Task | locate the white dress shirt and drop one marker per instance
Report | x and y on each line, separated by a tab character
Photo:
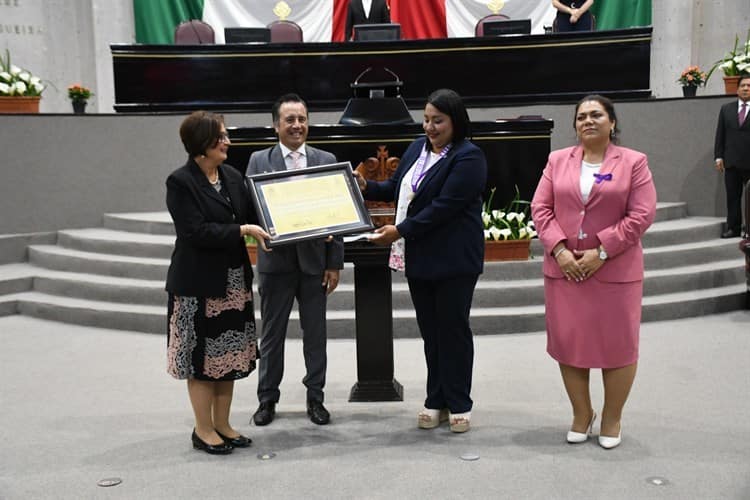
367	4
288	159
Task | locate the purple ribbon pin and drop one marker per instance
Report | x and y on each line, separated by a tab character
602	177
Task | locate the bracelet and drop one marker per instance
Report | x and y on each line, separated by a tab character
559	252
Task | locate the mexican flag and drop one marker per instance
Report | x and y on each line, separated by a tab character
622	14
324	20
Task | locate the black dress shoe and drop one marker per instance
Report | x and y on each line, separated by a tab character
731	233
238	442
214	449
317	412
265	413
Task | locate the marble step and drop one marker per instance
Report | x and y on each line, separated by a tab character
484	320
489	293
146	267
118	242
161	222
114	277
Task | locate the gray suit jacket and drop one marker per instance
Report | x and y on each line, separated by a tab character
308	257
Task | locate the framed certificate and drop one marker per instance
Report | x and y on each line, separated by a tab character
309	203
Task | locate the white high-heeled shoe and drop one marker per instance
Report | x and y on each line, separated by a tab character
608	442
574	437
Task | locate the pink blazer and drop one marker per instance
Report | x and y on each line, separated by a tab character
616	215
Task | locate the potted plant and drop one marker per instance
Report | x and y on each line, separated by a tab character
690	79
252	249
20	91
79	96
734	64
507	232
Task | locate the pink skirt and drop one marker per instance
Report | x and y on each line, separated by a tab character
593	324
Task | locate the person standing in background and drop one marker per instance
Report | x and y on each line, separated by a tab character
366	12
573	15
732	153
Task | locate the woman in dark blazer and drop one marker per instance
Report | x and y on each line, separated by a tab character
211	326
438	239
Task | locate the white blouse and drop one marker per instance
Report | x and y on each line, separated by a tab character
587	178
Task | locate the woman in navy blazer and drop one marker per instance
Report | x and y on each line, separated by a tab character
211	338
438	240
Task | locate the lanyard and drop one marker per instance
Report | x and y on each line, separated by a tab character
419	168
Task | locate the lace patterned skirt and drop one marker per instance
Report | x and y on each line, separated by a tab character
213	338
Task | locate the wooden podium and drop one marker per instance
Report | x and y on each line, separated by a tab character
373	307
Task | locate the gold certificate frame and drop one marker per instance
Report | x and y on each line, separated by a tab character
309	203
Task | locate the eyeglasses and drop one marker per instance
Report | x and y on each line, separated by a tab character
223	138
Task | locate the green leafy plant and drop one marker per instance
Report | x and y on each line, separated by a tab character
737	61
16	81
510	223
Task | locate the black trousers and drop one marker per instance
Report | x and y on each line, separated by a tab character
442	308
734	181
585	23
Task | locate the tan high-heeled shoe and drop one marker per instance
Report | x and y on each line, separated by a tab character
429	418
460	422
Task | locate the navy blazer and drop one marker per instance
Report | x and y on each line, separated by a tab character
208	230
732	141
443	230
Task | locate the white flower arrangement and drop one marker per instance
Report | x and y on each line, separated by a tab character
737	61
15	81
510	223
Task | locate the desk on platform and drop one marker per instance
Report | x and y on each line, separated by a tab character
485	71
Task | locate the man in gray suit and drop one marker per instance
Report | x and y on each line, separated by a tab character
307	271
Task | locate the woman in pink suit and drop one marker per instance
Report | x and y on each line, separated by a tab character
591	207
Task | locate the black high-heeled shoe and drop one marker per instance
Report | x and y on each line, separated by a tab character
237	442
214	449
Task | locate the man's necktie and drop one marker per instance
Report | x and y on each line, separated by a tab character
743	113
295	156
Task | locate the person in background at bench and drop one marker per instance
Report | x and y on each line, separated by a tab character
591	207
573	15
366	12
732	153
